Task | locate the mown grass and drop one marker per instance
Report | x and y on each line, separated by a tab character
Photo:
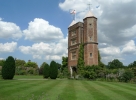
39	89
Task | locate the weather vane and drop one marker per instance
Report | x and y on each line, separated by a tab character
89	5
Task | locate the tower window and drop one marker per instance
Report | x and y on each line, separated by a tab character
73	33
73	42
90	38
73	55
91	54
90	24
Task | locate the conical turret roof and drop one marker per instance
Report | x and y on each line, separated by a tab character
89	14
72	23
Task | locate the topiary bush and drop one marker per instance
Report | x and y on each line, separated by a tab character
46	71
8	69
53	70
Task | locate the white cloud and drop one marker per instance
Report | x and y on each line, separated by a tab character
9	30
53	57
129	48
36	56
111	50
126	1
48	51
8	47
40	30
107	59
81	7
129	32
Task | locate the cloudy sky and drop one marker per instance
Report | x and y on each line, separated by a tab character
36	30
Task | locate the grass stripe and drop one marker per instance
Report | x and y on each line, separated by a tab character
94	91
122	91
41	89
131	91
5	84
82	93
56	92
9	90
126	85
18	88
27	90
107	92
69	91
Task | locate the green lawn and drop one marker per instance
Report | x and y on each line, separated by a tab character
38	89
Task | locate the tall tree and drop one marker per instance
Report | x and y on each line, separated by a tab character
80	62
46	70
31	64
2	62
8	70
53	70
132	64
64	63
115	64
19	63
41	68
101	64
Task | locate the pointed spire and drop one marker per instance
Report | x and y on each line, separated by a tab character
73	22
89	14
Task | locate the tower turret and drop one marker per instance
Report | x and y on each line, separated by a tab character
90	39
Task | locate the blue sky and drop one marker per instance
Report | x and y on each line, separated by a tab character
37	30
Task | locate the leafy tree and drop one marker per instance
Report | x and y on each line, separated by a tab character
58	65
132	64
19	63
134	70
80	62
64	63
126	76
2	62
115	64
41	68
99	57
46	71
8	70
89	72
53	70
31	64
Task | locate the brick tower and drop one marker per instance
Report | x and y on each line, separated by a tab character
83	32
90	39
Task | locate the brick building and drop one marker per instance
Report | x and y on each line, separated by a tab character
83	32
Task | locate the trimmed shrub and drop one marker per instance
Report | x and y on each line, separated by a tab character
53	70
46	71
8	70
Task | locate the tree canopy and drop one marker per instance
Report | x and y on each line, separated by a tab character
53	70
31	64
46	70
132	64
2	62
115	64
64	63
8	70
19	62
41	68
